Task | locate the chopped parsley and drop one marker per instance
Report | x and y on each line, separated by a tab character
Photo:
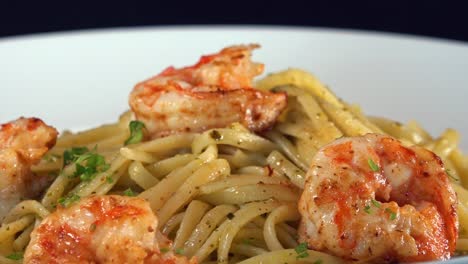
318	261
71	155
164	250
449	173
372	165
301	250
109	179
392	214
367	209
136	132
66	201
179	251
129	192
15	256
87	163
375	203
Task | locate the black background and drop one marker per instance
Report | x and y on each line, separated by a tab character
442	19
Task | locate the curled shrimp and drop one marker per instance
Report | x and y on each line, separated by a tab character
23	142
213	93
371	198
101	229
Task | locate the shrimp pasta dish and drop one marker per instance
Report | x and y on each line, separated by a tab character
209	165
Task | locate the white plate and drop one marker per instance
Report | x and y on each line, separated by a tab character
82	79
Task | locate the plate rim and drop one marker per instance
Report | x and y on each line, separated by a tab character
239	28
233	27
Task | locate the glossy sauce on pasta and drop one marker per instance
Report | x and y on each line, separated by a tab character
225	194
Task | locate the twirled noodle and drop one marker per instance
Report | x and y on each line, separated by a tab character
26	208
194	213
23	239
252	192
9	230
172	223
207	224
137	155
254	170
281	164
226	194
160	193
281	214
164	167
226	232
288	149
231	137
141	176
190	188
247	250
290	256
239	180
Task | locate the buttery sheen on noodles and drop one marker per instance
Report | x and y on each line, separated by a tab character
209	166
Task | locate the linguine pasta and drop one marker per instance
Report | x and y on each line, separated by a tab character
225	195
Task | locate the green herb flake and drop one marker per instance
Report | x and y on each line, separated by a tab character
87	163
66	201
92	227
109	179
71	155
129	192
449	173
15	256
104	167
179	251
392	214
301	250
367	209
318	261
95	160
375	203
373	166
85	173
136	132
164	250
214	134
83	157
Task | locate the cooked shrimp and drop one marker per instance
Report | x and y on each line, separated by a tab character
371	198
22	143
101	229
215	92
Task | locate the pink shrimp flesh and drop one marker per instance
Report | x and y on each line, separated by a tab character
213	93
23	142
371	198
101	229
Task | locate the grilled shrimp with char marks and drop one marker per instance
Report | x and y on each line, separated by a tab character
371	198
23	142
101	229
213	93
